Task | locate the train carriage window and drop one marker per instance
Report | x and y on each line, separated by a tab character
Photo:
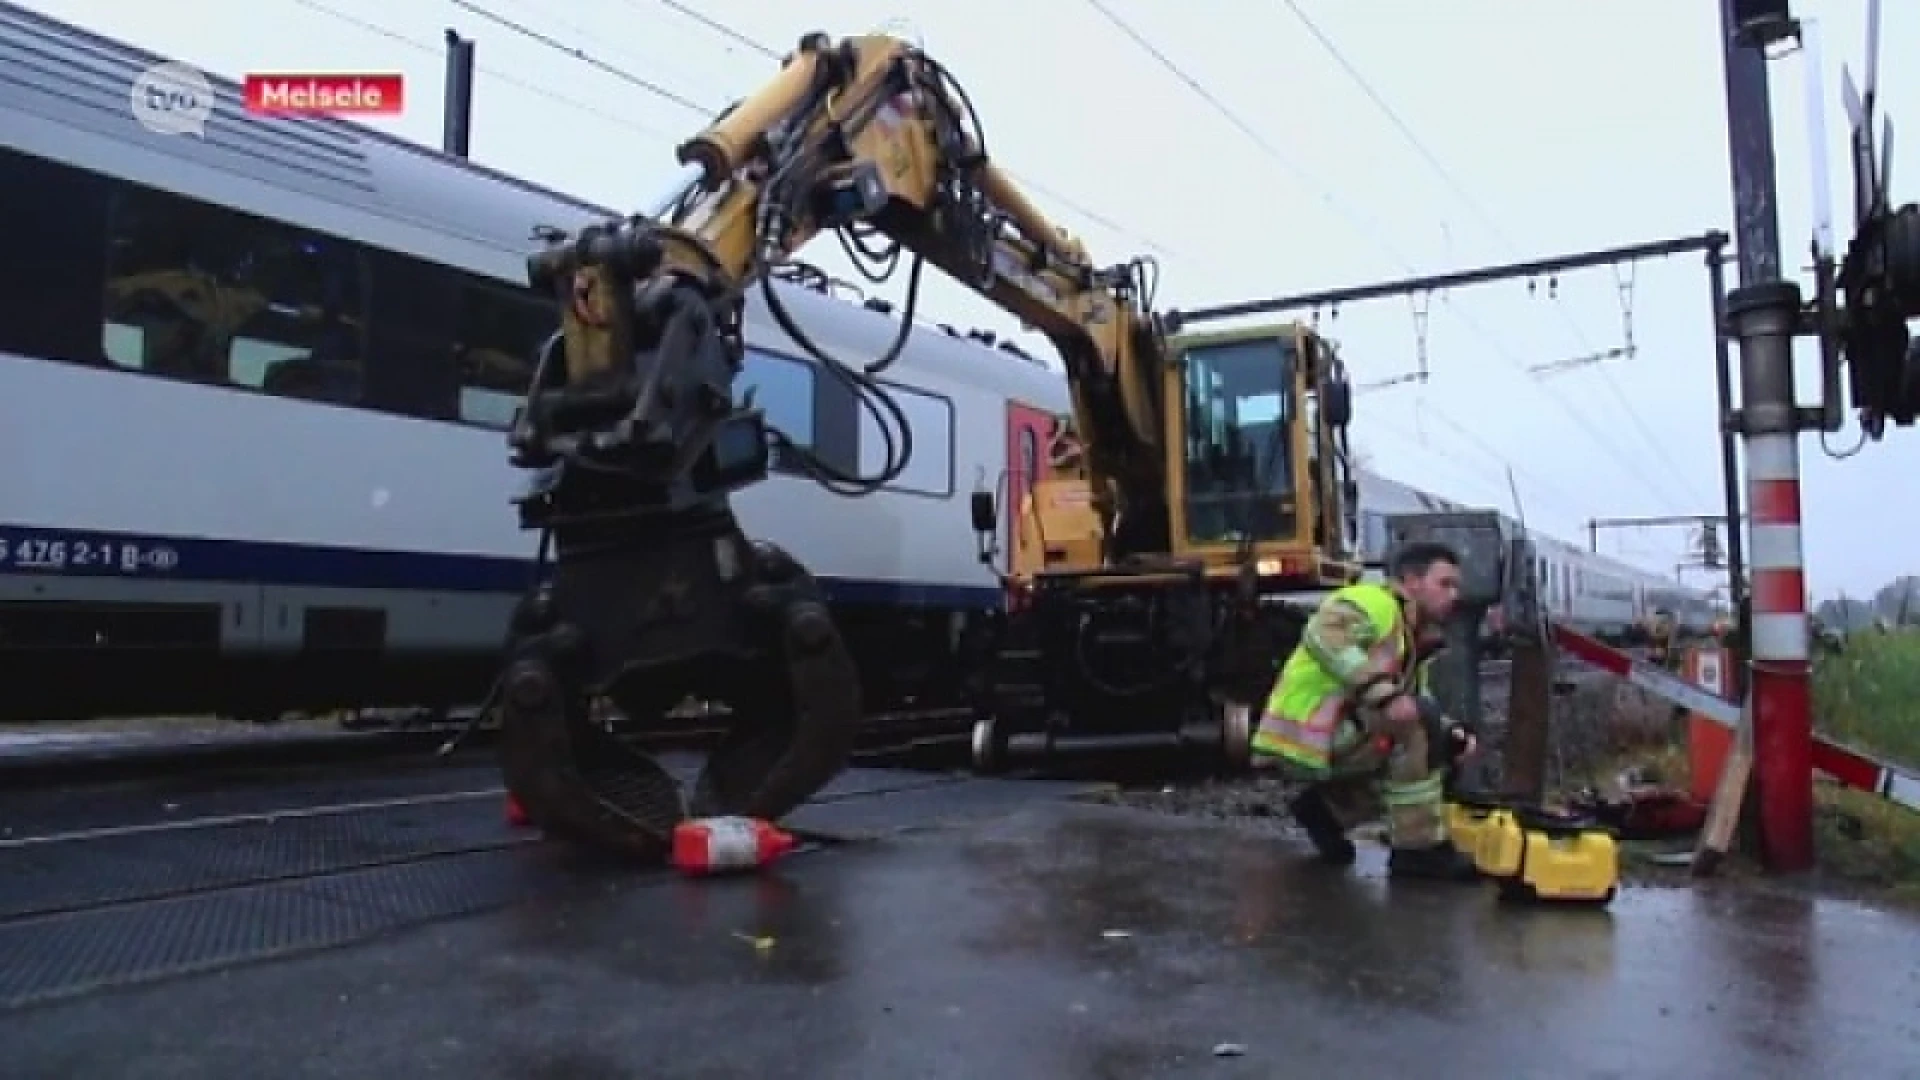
205	294
496	341
415	305
782	390
929	469
54	217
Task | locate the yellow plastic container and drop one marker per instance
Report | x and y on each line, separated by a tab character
1499	846
1562	858
1467	818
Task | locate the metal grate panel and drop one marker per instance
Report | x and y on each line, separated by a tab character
58	957
44	811
71	875
64	955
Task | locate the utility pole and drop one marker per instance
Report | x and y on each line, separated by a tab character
1756	196
1763	314
457	131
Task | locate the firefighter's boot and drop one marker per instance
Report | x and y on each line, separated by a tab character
1417	824
1441	862
1311	811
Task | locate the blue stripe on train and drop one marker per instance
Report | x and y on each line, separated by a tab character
75	553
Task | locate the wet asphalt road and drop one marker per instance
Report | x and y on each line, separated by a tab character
984	952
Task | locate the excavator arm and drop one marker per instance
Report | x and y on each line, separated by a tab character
857	136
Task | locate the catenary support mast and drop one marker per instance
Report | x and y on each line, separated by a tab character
1763	315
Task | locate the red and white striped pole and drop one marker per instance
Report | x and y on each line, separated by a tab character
1764	318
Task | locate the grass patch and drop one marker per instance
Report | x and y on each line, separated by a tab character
1865	840
1868	695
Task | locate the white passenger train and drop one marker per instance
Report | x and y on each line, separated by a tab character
258	383
257	388
1606	597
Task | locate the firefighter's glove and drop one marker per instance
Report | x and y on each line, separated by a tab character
1447	741
1461	743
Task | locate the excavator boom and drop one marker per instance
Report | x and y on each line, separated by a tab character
871	135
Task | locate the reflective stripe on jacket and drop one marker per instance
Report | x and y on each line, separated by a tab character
1356	644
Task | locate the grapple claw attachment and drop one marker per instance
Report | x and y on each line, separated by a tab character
744	626
769	764
575	779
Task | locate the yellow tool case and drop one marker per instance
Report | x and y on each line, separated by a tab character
1539	854
1467	817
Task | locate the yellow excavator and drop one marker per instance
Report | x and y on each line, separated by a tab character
1206	476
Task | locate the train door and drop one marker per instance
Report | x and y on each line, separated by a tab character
1027	431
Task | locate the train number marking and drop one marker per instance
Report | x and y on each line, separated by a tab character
58	554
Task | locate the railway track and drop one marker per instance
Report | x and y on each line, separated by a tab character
57	757
64	859
123	884
66	757
147	861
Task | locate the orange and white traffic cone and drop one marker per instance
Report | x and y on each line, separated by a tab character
726	844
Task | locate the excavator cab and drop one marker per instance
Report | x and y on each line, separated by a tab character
1257	464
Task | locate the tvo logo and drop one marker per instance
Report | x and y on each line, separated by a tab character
172	99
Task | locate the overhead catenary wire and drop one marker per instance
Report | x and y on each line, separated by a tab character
1447	177
1466	467
1323	192
1253	135
719	27
433	49
739	37
623	49
584	57
1366	227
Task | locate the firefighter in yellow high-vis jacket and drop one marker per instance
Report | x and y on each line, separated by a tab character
1348	714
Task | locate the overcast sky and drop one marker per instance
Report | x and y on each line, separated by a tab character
1557	126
